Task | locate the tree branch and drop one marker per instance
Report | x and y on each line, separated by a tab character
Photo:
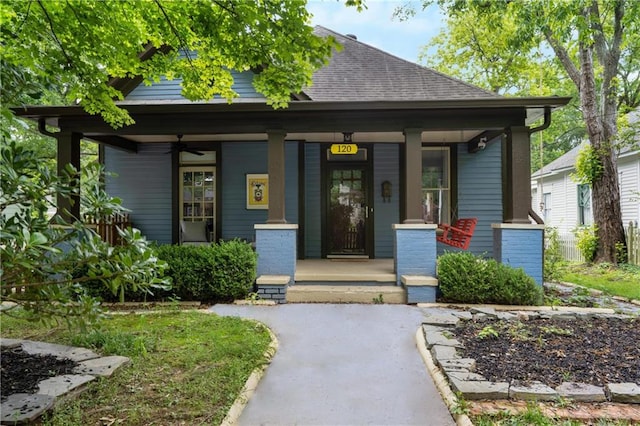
183	44
563	57
53	32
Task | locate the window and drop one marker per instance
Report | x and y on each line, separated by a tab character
198	190
546	207
584	205
436	191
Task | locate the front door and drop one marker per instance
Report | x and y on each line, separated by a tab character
348	211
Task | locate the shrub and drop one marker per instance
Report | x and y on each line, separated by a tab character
219	272
208	273
467	278
552	256
235	270
587	241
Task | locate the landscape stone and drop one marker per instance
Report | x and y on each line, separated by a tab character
59	385
428	328
464	365
490	312
558	315
23	408
464	315
441	352
481	390
581	392
532	391
59	351
10	343
440	338
104	366
623	392
471	377
506	316
441	319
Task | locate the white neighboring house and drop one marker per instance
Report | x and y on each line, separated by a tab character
564	204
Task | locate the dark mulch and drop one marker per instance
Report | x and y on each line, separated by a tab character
21	371
595	351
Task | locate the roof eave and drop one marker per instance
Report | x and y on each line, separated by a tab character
163	107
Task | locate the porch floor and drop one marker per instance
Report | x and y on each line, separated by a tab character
371	270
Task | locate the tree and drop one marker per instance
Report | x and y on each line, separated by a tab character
54	52
79	45
594	42
471	49
41	261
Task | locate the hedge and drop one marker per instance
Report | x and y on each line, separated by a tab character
466	278
210	273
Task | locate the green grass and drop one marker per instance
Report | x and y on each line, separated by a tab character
533	416
186	367
621	281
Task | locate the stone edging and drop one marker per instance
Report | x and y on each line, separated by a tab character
461	375
252	383
25	408
440	380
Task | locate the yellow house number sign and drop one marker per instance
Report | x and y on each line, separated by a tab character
344	148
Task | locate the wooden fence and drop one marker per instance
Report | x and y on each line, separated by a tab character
570	252
107	228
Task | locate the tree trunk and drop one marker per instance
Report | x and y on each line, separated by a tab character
601	129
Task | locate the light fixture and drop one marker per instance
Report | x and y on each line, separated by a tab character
347	137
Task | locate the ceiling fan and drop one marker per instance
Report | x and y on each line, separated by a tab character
179	146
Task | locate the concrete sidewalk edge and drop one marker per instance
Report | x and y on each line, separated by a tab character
251	384
440	381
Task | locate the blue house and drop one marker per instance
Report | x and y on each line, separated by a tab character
363	165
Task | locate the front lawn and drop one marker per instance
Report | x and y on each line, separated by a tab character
186	367
621	281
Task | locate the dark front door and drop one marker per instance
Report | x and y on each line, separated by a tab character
348	215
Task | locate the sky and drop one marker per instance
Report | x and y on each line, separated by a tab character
376	26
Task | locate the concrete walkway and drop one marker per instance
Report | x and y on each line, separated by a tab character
342	365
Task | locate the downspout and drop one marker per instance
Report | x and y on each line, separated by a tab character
543	126
42	128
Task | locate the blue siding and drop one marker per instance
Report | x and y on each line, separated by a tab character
480	193
238	159
143	182
385	167
172	89
312	220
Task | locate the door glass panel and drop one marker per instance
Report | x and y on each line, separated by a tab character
347	213
198	195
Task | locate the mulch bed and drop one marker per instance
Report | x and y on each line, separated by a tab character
21	372
596	351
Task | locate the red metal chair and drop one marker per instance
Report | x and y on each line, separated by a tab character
459	235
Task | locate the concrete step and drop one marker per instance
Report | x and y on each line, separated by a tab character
346	293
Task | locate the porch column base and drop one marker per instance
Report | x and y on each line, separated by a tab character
273	287
276	249
414	251
520	246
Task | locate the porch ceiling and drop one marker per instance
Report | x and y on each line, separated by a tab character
452	136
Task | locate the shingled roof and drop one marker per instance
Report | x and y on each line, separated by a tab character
360	72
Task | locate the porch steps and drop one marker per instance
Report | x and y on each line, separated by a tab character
341	292
344	282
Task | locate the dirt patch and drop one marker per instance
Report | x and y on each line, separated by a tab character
596	351
21	372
